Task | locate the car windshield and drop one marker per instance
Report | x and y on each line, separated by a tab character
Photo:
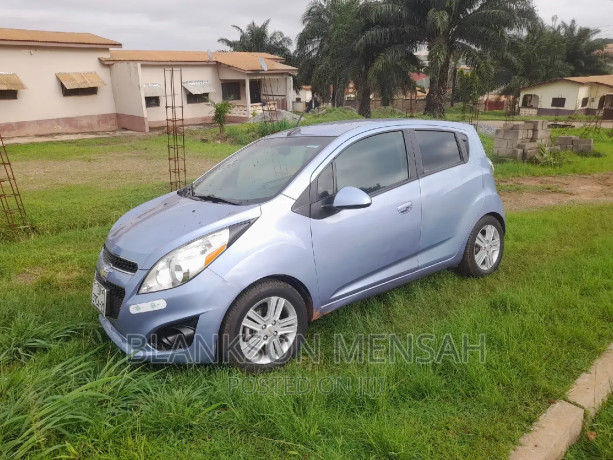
258	172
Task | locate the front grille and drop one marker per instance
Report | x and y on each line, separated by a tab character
117	262
115	299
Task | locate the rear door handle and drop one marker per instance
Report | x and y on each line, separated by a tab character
405	207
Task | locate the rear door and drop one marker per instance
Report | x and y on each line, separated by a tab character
356	249
451	188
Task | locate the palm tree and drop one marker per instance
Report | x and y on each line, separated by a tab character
448	28
325	47
332	54
582	49
533	57
257	38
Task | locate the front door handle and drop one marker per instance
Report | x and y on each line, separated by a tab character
405	207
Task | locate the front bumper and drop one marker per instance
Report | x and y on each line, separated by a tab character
206	297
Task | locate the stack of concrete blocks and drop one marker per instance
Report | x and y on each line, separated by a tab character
521	141
575	144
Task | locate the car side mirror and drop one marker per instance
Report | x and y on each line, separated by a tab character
351	198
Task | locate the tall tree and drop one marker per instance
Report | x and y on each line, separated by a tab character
546	52
257	38
325	47
467	28
332	54
532	57
582	50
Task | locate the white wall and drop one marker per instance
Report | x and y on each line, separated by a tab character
127	88
596	92
43	99
548	91
155	74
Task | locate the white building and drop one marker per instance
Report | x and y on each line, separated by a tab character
565	96
140	93
53	82
56	82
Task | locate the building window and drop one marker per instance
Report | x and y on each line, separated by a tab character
231	91
584	101
197	98
79	91
79	83
8	94
152	101
558	102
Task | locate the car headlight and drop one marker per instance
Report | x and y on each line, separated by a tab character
182	264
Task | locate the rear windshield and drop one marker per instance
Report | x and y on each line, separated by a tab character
260	171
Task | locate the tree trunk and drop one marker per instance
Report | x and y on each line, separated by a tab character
334	91
437	96
364	101
454	82
339	97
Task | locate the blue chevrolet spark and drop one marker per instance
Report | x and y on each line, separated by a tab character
293	226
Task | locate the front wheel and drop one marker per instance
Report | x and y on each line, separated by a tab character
264	327
484	248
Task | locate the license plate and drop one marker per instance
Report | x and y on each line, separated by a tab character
99	296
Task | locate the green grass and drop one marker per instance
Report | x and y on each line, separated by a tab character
545	316
602	445
572	163
66	391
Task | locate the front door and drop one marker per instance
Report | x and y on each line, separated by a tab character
255	89
358	249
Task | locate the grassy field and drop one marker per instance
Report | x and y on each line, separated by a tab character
65	391
597	439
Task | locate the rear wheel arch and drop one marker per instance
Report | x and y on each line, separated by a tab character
500	219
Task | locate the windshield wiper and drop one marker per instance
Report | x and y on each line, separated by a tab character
213	199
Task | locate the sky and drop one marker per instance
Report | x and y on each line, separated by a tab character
197	24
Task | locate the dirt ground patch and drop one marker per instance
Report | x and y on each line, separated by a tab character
538	192
106	171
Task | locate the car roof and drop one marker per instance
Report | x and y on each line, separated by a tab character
338	128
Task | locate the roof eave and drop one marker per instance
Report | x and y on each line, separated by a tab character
145	62
59	44
548	82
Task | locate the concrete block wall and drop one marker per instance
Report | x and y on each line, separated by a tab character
575	144
521	141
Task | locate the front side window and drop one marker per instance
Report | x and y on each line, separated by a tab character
439	150
260	171
373	163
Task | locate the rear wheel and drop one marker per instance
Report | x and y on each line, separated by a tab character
264	327
484	248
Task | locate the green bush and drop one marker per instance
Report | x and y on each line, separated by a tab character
264	129
222	110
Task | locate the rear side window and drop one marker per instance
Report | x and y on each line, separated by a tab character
373	163
439	150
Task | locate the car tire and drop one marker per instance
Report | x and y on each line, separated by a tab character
484	248
264	327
